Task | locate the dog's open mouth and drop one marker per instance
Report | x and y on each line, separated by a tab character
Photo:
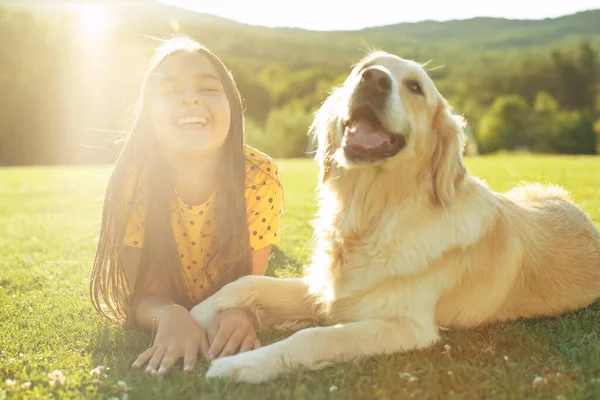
366	140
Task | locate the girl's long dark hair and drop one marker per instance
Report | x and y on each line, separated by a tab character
140	174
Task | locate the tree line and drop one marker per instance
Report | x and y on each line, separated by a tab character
66	96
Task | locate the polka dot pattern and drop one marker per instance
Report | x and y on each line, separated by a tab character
193	225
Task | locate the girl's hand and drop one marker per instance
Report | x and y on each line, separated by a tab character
178	336
231	332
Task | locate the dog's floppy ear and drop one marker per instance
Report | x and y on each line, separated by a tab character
324	129
448	167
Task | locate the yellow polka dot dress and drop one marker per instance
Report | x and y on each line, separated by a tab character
194	226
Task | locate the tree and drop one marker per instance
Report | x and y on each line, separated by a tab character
576	77
504	125
285	133
256	97
545	130
576	130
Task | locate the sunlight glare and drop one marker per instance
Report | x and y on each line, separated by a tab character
93	19
175	26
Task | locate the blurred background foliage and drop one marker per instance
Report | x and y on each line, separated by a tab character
70	76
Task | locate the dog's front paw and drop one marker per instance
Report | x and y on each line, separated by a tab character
251	367
204	313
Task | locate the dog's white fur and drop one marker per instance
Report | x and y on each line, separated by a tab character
410	243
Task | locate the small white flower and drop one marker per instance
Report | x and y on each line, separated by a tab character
447	349
10	383
538	381
409	377
97	371
333	388
56	376
121	387
26	385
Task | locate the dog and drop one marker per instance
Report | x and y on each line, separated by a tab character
406	241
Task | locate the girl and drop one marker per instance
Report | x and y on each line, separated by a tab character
188	208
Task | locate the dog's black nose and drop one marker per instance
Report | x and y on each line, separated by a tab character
376	79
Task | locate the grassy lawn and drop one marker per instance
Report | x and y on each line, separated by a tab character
49	222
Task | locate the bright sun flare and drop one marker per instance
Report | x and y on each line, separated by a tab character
93	19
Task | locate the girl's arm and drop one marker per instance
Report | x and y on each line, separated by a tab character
178	335
156	299
260	259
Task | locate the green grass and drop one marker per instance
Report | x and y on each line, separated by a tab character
49	222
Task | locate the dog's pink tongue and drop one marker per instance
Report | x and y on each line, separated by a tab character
364	135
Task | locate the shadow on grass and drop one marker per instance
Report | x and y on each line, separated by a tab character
117	348
567	344
474	367
564	351
573	342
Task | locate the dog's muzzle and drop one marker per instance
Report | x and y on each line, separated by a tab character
365	137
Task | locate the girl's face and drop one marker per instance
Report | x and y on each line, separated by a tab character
189	109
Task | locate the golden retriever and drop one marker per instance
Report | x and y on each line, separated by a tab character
406	240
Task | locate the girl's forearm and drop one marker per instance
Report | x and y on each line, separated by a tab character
152	307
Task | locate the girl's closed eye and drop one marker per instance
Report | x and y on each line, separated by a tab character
209	85
168	89
208	88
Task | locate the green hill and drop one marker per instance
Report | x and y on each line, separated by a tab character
283	73
422	40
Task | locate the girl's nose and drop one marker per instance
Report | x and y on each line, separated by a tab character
190	96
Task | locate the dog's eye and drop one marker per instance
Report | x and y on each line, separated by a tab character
414	87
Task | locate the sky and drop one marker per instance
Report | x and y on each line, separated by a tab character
339	15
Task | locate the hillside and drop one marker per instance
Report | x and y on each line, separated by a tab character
298	48
283	74
446	42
